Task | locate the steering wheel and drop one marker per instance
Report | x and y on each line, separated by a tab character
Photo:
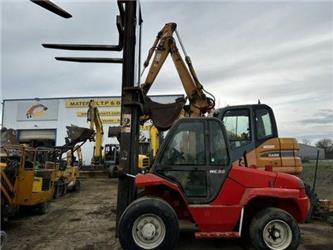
176	155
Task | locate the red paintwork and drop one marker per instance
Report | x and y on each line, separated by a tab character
281	193
252	178
168	191
215	218
242	186
146	180
287	181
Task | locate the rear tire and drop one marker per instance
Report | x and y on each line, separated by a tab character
274	228
148	223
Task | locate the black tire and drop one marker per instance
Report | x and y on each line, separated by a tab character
64	190
77	186
277	218
160	210
43	208
113	172
58	190
314	210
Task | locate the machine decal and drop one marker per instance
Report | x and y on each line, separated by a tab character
36	110
217	171
126	123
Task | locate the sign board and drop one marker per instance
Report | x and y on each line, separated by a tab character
83	103
101	113
45	110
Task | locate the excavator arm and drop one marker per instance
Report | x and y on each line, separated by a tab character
95	121
165	44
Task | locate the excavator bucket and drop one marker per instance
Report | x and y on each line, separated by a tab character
163	115
78	134
115	131
8	136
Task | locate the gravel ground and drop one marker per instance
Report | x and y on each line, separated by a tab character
86	220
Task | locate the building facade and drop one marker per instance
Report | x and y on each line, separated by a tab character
43	121
308	152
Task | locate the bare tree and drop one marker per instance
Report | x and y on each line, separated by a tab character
306	141
326	144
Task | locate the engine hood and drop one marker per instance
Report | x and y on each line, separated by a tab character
288	181
255	178
252	178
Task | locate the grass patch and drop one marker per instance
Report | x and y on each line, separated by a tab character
324	185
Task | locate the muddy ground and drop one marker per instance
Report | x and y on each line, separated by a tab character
86	220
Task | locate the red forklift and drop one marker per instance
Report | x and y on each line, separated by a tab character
193	181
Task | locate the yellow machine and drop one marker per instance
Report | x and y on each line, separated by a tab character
163	115
164	44
154	140
27	178
68	164
95	121
67	173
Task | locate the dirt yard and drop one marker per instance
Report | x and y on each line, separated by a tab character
86	220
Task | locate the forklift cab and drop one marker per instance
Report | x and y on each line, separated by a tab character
195	156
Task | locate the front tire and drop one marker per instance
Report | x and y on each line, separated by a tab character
77	186
43	208
58	190
273	228
148	223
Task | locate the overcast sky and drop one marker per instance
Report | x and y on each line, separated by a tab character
279	52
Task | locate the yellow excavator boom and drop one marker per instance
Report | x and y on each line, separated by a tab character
164	45
95	121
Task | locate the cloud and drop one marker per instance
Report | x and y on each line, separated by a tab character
278	52
323	116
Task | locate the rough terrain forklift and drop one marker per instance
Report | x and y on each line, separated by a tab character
193	180
251	129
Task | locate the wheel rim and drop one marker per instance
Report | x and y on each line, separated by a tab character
277	235
148	231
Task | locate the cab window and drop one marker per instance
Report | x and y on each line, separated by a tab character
263	124
218	147
187	146
237	124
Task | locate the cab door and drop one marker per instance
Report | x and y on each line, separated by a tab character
193	156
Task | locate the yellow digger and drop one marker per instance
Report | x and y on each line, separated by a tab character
67	174
27	178
68	166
